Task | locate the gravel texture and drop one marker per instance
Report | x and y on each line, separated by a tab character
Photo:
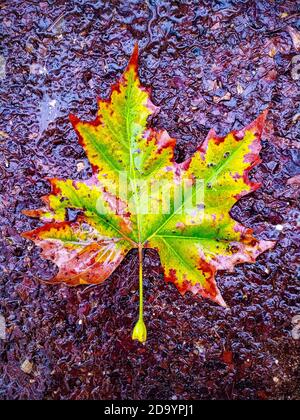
210	64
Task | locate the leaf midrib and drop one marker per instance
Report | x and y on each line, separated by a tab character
195	238
132	166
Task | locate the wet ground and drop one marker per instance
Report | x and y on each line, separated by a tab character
210	64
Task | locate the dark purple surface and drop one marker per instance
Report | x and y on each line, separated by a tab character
192	54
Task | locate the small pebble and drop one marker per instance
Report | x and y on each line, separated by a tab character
52	103
80	166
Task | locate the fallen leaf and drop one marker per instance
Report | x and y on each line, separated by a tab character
3	134
295	35
239	88
296	118
225	97
272	51
26	366
125	205
295	180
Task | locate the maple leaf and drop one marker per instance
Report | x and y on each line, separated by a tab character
139	197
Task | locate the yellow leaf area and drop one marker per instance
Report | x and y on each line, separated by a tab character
121	206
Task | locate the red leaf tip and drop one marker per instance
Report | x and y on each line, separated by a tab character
73	119
258	124
133	62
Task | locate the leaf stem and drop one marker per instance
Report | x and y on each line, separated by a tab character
140	331
141	308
